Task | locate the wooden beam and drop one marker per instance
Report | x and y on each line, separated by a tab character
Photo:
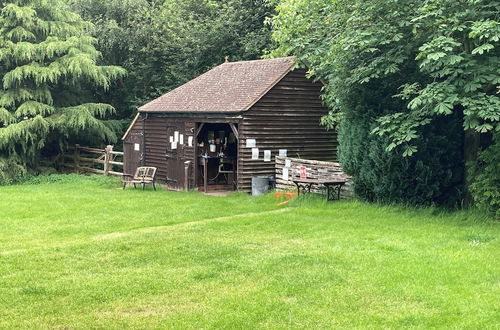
199	130
131	125
235	131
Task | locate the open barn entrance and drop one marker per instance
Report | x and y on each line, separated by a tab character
217	156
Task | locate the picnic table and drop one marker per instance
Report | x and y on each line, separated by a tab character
333	186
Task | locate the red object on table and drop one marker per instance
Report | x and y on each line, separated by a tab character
303	173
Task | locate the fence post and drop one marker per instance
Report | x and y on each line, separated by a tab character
77	158
107	159
186	175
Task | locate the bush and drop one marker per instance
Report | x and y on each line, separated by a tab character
485	178
433	175
12	170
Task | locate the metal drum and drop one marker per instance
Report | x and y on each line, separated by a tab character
260	185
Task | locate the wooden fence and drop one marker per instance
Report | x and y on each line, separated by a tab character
93	160
292	166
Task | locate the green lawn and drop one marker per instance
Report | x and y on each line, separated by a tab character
82	254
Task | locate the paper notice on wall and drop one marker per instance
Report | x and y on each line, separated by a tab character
190	141
288	163
282	152
255	153
170	139
137	146
251	143
181	139
285	174
212	148
173	145
303	172
176	136
267	155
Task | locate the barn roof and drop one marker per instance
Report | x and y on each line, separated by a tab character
229	87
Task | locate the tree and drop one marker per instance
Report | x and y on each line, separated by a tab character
416	67
163	44
48	70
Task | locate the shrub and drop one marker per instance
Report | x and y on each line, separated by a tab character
12	170
485	178
433	175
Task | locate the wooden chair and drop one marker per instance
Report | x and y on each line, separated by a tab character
143	175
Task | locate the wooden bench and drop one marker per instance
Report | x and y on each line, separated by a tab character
318	175
143	175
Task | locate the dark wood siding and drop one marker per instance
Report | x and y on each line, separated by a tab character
287	117
156	140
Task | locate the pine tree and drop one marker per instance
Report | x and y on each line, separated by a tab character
49	67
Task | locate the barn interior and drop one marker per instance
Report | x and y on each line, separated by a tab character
217	157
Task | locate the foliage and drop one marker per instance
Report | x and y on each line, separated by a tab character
48	66
163	44
357	49
433	175
486	178
458	53
12	170
409	69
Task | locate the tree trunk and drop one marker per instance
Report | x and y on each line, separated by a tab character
472	143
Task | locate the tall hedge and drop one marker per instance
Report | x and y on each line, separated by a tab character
434	175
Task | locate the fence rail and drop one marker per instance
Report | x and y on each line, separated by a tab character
93	160
287	167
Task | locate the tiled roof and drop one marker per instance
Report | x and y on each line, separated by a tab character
229	87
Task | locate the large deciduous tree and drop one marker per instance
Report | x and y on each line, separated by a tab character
165	43
48	71
400	76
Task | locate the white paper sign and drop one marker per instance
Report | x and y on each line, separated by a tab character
176	136
173	145
137	146
255	153
267	155
190	141
181	139
171	139
251	143
212	148
288	163
282	153
285	174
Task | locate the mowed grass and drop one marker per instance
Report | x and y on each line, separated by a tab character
82	254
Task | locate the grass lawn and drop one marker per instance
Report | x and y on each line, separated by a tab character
81	253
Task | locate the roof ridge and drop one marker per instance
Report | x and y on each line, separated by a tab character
233	86
260	60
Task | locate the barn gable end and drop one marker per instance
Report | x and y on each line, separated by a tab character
286	117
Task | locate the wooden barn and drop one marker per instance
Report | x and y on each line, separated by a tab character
228	125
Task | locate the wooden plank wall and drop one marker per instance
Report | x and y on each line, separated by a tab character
333	169
287	117
156	140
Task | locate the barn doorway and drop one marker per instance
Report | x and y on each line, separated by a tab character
217	157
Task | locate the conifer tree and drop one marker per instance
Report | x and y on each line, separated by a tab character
48	69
